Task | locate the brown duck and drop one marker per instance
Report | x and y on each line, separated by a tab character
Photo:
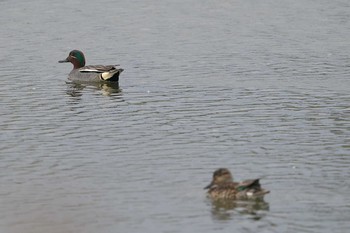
223	187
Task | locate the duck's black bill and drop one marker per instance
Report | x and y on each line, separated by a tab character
62	61
209	186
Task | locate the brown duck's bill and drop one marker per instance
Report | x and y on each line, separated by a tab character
209	186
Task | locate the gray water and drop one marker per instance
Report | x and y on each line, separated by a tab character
259	87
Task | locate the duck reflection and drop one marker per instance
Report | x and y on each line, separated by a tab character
109	88
75	89
226	209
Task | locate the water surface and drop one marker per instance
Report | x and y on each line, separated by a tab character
259	87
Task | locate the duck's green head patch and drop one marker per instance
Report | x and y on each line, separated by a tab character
79	56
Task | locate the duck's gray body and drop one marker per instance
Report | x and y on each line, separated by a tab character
97	73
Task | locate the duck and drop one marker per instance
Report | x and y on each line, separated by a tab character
223	187
91	73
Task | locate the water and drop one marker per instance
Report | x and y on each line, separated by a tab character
259	87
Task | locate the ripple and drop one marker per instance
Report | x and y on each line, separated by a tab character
205	86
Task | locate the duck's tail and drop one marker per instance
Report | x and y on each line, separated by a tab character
261	192
112	75
252	188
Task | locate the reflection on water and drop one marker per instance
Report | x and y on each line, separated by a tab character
75	89
227	209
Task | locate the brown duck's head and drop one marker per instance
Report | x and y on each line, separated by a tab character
76	57
220	176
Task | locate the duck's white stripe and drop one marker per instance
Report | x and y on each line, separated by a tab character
90	70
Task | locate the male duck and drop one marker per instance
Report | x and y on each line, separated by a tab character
97	73
223	187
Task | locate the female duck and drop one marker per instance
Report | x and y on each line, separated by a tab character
223	187
96	73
